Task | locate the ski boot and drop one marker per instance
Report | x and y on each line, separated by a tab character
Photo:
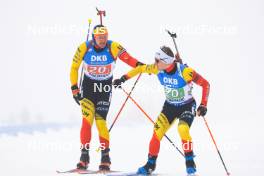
149	167
84	159
190	164
105	160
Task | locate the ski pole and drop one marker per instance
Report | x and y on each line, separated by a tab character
87	38
174	36
123	105
88	33
215	145
128	95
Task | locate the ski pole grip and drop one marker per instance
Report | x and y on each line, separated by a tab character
173	35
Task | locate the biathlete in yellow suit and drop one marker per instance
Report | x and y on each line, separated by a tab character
177	81
99	57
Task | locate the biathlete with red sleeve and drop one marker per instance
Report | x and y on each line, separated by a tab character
99	56
177	80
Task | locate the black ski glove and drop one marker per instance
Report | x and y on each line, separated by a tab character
201	111
178	58
117	82
76	94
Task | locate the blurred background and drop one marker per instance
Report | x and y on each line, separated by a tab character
221	40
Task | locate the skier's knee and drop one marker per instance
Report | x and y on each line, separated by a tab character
184	131
87	110
161	126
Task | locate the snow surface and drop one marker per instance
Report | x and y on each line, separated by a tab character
222	40
42	153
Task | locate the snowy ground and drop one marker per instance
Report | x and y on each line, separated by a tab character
42	153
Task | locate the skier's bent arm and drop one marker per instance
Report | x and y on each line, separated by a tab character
191	75
76	62
139	69
150	69
118	51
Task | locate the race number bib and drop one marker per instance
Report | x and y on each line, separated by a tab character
99	69
174	95
99	72
178	95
